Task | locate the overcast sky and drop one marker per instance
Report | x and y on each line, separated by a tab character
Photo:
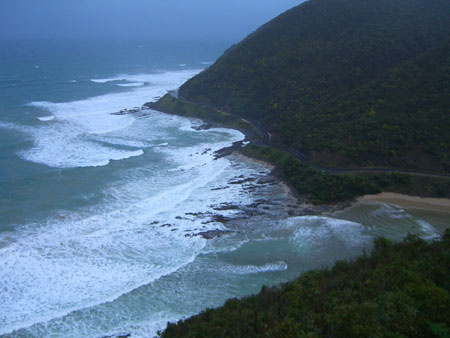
165	19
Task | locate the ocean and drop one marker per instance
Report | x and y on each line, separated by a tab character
115	219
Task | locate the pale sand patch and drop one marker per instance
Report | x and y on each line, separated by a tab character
268	165
406	201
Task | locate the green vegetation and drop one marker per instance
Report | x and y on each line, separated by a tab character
171	105
267	154
401	290
323	187
318	187
351	83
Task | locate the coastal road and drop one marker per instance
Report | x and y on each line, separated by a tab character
265	141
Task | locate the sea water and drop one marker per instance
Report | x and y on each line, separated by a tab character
102	203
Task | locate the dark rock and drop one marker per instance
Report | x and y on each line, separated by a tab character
227	150
245	180
253	205
262	201
196	214
210	234
221	219
220	188
267	180
225	206
204	126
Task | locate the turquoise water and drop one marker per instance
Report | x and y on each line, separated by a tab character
100	212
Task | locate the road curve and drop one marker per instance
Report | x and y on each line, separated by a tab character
265	141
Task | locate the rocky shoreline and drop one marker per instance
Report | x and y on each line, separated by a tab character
273	201
288	202
302	207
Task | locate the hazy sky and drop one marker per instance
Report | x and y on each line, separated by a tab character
165	19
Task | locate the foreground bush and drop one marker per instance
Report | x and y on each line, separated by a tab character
401	290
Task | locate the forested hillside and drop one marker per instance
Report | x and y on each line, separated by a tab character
351	83
402	290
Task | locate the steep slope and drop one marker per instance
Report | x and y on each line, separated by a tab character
349	82
402	290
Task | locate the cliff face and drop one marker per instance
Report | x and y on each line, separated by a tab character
348	82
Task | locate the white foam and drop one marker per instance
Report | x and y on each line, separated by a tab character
384	215
206	62
182	65
81	259
120	139
104	80
56	272
429	232
253	269
67	146
93	256
321	230
391	211
132	84
224	244
153	323
46	118
200	155
173	78
94	259
12	126
73	140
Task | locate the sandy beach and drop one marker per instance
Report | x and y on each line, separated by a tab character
406	201
243	157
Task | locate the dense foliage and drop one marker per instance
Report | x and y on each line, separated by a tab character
323	187
171	105
348	82
317	186
402	290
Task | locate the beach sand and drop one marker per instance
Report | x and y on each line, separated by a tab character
243	157
406	201
441	205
